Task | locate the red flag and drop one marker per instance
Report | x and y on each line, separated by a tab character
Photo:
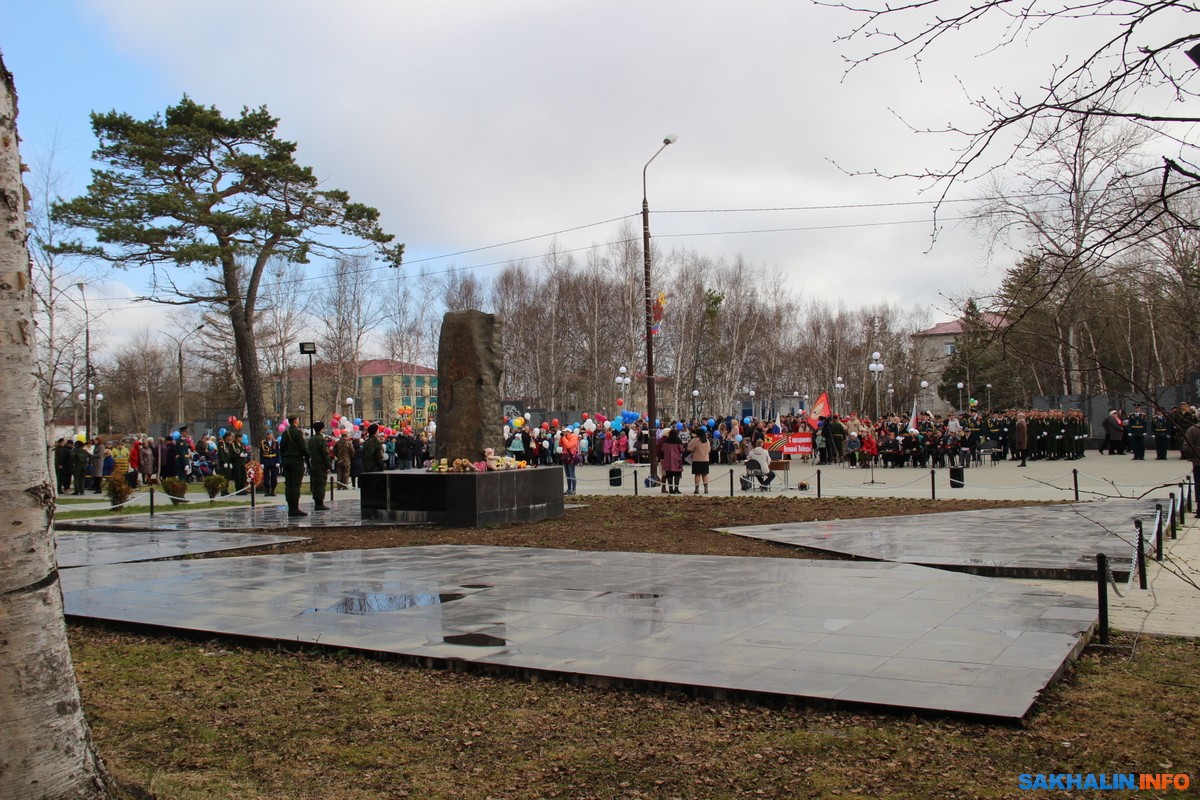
819	409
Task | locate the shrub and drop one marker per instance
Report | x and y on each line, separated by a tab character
118	491
215	485
175	489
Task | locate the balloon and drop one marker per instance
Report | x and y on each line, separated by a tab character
358	420
554	422
545	426
620	402
212	445
282	427
356	427
79	437
600	418
584	416
175	435
745	420
336	417
231	419
678	426
518	422
617	425
220	432
607	424
285	423
712	423
589	426
237	424
738	438
246	439
716	435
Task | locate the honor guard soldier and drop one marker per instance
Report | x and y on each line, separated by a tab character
1137	433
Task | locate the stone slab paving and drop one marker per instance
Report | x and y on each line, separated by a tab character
857	633
264	516
1169	606
1051	541
87	549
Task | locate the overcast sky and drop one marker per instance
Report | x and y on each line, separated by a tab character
475	123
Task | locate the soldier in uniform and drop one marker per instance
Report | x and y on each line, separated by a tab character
1161	428
182	452
319	462
343	456
225	457
293	452
1136	425
269	450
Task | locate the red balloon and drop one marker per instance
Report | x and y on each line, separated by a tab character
336	417
231	419
237	424
620	402
545	426
554	423
584	415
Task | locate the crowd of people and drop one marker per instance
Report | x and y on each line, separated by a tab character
923	440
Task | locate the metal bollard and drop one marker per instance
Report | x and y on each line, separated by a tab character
1173	515
635	489
1075	478
932	485
818	484
251	494
731	483
152	501
1182	506
332	483
1141	555
1102	594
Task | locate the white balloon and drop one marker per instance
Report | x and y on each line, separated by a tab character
607	424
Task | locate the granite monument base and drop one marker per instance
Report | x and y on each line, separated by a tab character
462	499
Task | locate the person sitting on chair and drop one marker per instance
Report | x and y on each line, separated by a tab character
758	463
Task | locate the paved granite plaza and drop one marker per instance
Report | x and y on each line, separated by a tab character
856	633
88	549
1055	541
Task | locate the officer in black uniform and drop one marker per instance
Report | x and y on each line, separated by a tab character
1137	433
1160	426
269	449
293	451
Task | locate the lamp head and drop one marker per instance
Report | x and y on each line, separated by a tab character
670	138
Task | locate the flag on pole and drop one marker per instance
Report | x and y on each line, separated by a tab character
912	420
819	409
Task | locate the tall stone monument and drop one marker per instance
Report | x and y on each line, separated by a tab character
470	365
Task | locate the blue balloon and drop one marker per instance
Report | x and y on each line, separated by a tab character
358	420
712	423
246	439
678	426
738	438
746	420
716	435
616	425
221	432
175	435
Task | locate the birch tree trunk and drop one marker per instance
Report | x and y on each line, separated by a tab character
45	745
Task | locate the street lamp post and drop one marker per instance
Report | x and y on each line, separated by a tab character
891	399
695	396
309	349
960	388
989	390
179	410
669	139
839	386
876	367
795	403
753	406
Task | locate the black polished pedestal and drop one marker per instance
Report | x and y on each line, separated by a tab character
468	499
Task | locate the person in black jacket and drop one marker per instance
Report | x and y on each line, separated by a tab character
293	451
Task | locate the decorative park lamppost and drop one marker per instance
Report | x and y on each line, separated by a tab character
753	405
875	368
839	386
695	396
795	403
960	388
989	390
310	349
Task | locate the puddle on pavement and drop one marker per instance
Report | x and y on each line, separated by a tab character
379	603
477	586
474	640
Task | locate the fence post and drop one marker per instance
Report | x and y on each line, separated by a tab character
1173	521
818	484
1102	594
1075	479
332	485
1182	506
635	491
932	485
152	501
1141	554
731	483
251	494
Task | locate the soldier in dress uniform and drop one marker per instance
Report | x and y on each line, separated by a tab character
268	448
1136	426
1161	428
319	462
